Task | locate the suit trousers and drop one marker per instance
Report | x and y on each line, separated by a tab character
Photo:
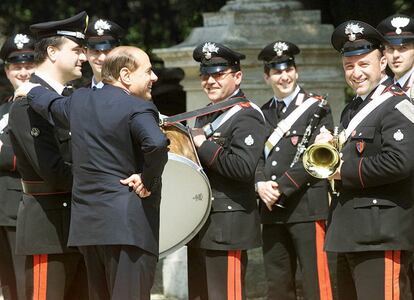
216	274
374	275
56	277
12	266
286	244
119	272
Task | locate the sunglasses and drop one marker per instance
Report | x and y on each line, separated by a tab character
216	76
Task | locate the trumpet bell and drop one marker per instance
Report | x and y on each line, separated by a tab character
321	160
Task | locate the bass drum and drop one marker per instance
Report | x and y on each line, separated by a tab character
186	192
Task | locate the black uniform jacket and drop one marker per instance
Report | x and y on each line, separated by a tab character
229	159
374	210
43	156
306	197
10	184
114	135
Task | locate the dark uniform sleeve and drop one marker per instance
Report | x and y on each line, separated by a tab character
393	162
50	105
238	157
34	138
154	145
7	158
296	177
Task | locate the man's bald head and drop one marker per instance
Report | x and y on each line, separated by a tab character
129	68
121	57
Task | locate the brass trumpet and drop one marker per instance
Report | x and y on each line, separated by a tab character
323	159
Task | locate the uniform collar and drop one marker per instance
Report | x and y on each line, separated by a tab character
402	81
383	79
58	87
287	99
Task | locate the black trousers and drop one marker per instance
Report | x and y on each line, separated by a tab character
12	266
374	275
119	272
56	277
216	274
286	244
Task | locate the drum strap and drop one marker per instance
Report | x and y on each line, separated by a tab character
202	111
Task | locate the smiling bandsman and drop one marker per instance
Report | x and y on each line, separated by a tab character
371	221
102	36
294	232
229	142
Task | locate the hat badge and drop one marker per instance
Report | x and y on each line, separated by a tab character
101	26
352	29
279	47
399	22
20	40
209	48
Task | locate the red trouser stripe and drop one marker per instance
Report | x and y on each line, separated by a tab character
392	274
324	281
39	277
234	288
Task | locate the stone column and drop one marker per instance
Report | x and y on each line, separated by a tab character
247	26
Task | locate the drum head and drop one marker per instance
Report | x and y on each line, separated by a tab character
185	203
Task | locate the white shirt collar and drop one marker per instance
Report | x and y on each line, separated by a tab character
405	77
289	98
95	84
58	87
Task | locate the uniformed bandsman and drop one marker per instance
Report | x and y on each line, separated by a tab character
102	36
54	271
229	143
371	221
398	30
295	231
18	55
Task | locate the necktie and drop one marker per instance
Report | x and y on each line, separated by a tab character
279	108
67	91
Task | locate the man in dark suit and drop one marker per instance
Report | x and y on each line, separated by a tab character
115	135
53	270
398	30
18	55
371	221
229	143
294	230
102	36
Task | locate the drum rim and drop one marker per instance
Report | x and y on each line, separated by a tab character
193	233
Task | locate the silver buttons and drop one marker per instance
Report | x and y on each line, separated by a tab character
229	207
274	163
277	149
273	177
375	201
65	204
308	184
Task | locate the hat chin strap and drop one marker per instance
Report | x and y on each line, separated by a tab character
76	34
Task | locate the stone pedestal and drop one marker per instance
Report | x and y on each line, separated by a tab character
247	26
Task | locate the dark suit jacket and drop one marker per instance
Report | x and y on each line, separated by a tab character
10	184
306	197
374	211
43	155
114	135
229	159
